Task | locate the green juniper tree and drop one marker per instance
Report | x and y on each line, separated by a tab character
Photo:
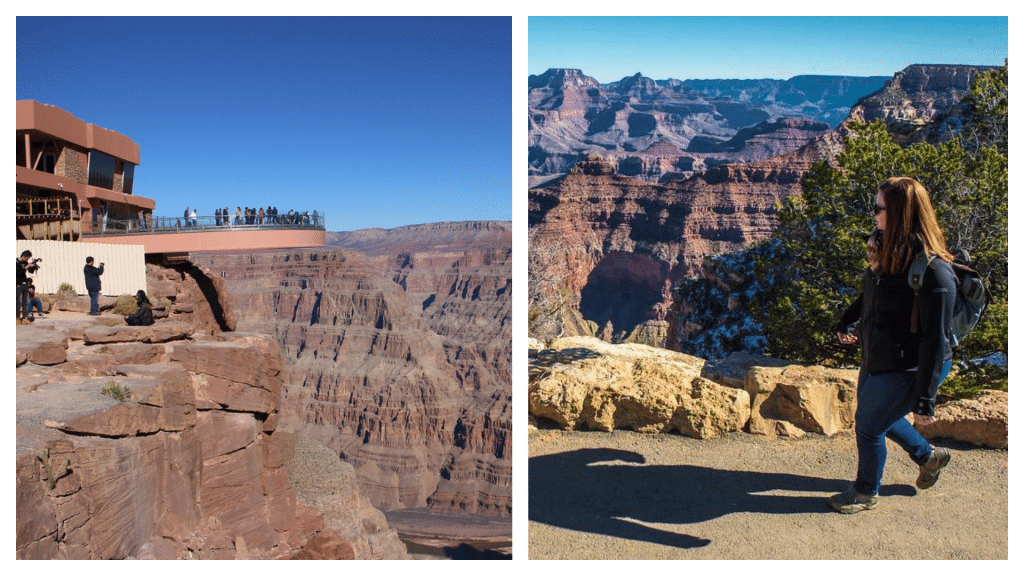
814	271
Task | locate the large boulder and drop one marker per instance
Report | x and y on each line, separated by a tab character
812	398
982	420
588	383
712	409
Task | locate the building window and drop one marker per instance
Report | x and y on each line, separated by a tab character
129	178
48	163
101	170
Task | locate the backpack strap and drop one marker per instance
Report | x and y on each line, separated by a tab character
915	277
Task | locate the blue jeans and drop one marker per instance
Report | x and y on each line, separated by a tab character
94	302
22	301
883	401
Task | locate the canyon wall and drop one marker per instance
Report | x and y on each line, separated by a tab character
398	359
605	249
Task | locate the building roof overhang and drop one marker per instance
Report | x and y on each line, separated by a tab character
54	121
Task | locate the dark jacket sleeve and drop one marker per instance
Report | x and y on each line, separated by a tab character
935	312
851	315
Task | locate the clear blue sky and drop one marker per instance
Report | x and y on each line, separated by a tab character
379	122
611	48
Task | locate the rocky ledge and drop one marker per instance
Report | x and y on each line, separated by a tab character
586	383
161	442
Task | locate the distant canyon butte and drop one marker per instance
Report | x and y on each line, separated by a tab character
398	347
633	183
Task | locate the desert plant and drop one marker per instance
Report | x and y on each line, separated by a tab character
126	304
66	289
116	391
51	477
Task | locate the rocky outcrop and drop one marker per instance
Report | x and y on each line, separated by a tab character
44	347
399	361
915	96
162	450
982	420
590	384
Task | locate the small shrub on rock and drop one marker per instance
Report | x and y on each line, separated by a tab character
116	391
125	305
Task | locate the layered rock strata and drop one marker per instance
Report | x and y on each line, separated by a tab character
398	361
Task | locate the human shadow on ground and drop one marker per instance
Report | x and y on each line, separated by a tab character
598	490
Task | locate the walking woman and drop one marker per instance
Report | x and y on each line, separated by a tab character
905	348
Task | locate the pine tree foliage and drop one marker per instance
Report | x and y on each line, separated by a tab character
988	104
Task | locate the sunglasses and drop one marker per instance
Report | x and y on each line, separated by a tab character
877	209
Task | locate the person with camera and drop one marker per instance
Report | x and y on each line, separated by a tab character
93	285
23	269
904	338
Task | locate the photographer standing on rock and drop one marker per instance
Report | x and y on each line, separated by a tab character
905	347
93	285
23	269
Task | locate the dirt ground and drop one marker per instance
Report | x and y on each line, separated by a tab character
623	495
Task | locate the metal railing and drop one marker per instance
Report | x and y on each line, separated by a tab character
180	224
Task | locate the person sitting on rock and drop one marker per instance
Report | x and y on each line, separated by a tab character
143	315
34	303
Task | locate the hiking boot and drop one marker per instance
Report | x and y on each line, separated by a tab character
852	501
930	470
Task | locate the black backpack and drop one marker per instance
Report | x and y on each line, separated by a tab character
971	296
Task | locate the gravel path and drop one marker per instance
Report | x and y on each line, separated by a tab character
595	495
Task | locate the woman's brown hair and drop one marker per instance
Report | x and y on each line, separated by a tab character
910	225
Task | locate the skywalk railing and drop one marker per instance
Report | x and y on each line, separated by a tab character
181	224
